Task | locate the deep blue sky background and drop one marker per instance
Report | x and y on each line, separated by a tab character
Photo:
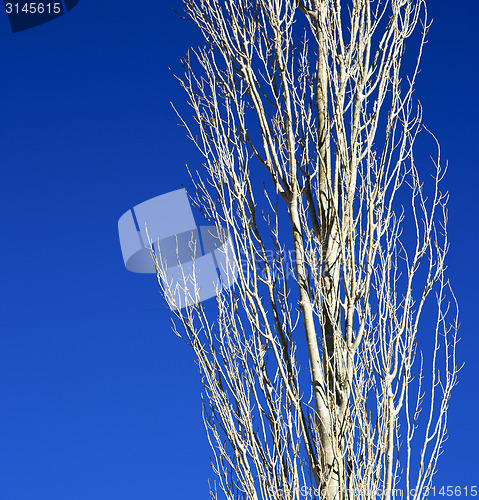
98	399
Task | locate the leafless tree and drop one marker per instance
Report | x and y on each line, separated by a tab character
305	118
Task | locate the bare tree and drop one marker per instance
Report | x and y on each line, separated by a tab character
305	117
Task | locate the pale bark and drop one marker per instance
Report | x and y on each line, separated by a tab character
314	93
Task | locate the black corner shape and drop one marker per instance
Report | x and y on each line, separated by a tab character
69	4
24	15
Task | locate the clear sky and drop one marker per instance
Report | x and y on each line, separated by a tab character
98	399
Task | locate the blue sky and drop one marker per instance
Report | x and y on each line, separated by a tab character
98	398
